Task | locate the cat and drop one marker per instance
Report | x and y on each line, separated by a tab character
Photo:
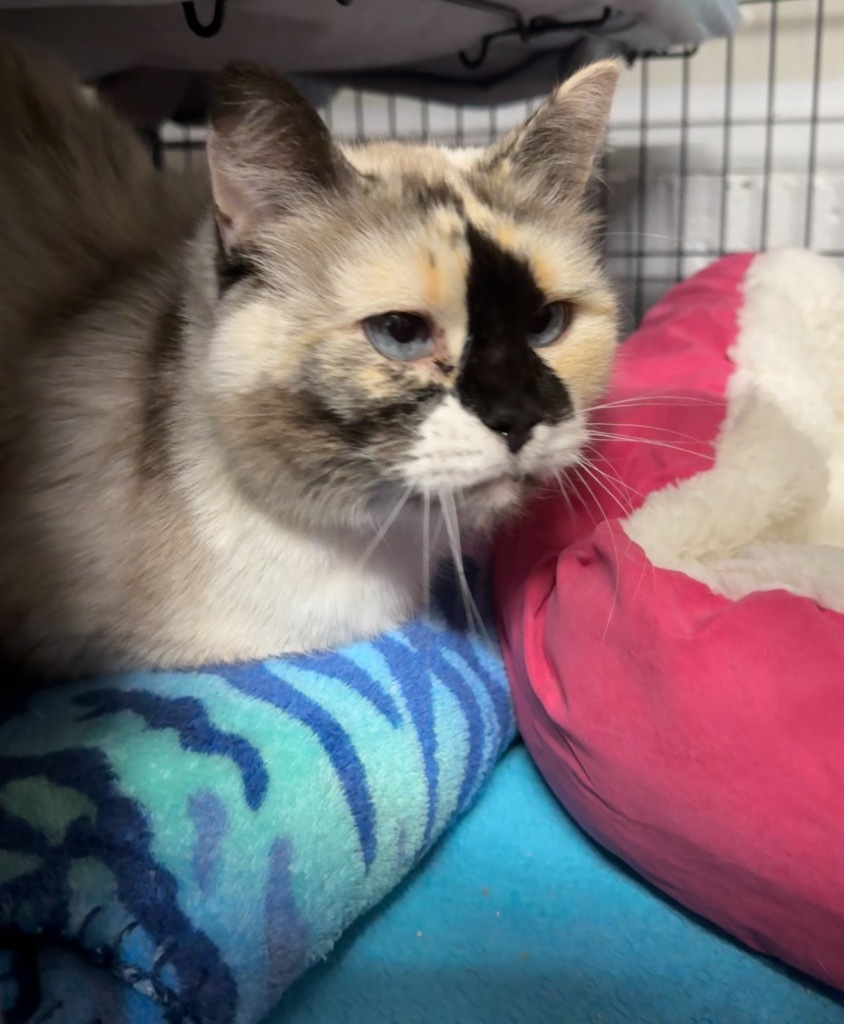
233	410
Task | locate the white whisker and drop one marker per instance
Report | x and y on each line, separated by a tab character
599	435
623	486
585	483
614	487
438	529
564	491
426	549
385	526
470	608
583	467
644	426
657	401
641	234
577	494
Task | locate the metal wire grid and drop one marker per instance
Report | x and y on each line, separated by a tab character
780	188
707	200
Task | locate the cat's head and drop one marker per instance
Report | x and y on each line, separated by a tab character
392	318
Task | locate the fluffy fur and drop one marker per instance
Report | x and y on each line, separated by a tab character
770	513
202	457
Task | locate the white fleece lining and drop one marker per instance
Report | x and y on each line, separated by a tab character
769	515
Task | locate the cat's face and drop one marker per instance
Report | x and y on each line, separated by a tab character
395	319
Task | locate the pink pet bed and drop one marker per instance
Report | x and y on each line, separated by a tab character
678	668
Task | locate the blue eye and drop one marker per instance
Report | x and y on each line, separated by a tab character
403	336
548	324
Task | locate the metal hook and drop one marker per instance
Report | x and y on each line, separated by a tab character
538	26
681	54
213	26
519	27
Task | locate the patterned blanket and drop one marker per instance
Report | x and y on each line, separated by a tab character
176	848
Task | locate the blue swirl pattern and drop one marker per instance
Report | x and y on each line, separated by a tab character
177	847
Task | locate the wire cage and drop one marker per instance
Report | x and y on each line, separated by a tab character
739	146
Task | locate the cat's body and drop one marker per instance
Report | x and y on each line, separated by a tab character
201	437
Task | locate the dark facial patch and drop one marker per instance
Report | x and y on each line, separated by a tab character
343	410
294	449
482	189
361	422
503	381
163	359
426	195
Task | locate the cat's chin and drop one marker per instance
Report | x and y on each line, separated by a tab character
481	506
501	491
485	505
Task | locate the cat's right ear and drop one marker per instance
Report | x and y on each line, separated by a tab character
554	154
269	152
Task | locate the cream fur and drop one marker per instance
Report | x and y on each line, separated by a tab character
770	513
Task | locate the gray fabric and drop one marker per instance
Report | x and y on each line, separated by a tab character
406	46
514	69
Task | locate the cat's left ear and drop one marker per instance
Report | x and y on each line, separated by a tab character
555	152
269	152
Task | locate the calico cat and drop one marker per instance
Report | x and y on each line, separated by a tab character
231	413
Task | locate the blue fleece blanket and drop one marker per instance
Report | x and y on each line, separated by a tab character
518	918
176	848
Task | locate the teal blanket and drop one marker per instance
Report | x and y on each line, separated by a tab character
518	918
179	847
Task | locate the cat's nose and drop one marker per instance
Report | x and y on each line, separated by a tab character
514	425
